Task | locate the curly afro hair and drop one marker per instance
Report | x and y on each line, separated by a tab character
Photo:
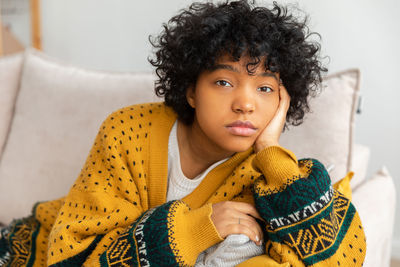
193	40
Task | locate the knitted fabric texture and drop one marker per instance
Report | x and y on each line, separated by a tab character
235	248
116	212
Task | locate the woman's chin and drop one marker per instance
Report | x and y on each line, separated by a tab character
238	147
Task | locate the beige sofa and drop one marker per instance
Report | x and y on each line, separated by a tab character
50	113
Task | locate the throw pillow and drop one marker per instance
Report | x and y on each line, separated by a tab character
327	131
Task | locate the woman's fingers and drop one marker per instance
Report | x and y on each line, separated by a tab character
251	224
237	218
284	104
284	98
246	208
270	135
246	230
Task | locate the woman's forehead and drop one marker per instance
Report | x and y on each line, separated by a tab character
253	65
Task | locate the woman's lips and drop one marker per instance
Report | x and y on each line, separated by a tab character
242	131
241	128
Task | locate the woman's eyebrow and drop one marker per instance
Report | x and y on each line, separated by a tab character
231	68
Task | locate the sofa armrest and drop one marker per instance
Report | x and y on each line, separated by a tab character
359	164
375	201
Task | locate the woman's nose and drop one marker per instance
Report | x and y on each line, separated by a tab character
243	102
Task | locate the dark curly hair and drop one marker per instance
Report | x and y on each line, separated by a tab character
193	40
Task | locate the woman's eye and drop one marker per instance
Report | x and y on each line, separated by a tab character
265	89
223	83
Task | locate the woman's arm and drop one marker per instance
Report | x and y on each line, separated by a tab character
105	219
170	233
307	221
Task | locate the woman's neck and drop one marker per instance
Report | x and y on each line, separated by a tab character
196	151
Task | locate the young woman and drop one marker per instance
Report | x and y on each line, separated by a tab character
201	179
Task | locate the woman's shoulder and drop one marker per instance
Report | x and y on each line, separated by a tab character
136	118
140	110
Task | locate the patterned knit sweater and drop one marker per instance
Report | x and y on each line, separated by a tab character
116	212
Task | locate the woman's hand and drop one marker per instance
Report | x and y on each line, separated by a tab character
270	135
230	217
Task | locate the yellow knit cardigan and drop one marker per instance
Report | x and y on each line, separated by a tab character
116	211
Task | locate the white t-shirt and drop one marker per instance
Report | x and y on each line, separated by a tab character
235	248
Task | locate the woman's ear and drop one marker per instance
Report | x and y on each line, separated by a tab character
190	96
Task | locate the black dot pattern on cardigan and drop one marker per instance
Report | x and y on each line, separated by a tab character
114	183
237	187
354	256
116	166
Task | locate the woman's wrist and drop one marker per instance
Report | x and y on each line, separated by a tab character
261	146
276	163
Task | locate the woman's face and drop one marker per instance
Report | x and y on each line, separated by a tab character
231	106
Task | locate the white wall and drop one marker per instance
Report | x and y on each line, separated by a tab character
112	35
104	34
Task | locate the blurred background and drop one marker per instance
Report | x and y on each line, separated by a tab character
113	35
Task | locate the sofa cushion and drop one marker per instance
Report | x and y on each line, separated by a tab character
359	163
57	115
375	201
327	131
10	72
